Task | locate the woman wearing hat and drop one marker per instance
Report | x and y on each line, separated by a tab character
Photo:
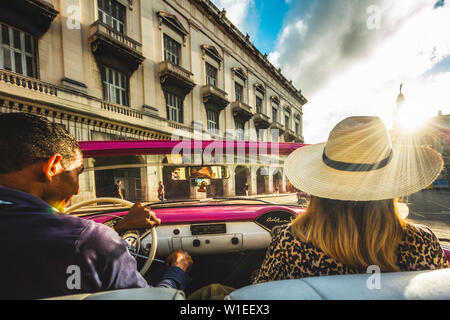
353	221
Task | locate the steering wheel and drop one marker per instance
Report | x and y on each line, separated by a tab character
128	204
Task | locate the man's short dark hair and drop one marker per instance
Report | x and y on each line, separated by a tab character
27	139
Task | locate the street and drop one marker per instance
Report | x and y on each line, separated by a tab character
432	208
427	207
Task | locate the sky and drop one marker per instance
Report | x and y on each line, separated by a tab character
349	57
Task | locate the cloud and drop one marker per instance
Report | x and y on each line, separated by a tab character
346	68
295	30
242	13
439	4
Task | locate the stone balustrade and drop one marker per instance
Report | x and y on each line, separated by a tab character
28	83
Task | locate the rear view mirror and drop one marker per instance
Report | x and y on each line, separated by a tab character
200	182
204	172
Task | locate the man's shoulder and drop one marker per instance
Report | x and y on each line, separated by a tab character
87	232
98	237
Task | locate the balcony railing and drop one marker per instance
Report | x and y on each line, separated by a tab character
36	86
214	98
299	139
28	83
209	89
169	67
261	120
290	135
241	105
241	110
179	126
122	110
277	126
31	16
112	47
100	28
175	79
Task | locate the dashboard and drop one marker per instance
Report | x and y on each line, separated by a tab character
218	237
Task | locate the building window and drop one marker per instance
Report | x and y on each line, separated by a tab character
211	75
174	107
17	52
238	91
287	120
260	135
275	135
172	50
258	104
115	86
213	121
297	127
240	131
274	113
112	14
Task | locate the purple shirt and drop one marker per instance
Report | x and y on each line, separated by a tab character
44	251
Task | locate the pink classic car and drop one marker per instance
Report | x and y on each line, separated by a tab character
223	213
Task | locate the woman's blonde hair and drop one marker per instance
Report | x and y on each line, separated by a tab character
355	233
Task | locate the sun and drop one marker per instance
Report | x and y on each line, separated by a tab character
411	121
411	117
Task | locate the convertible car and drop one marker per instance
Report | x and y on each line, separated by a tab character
227	235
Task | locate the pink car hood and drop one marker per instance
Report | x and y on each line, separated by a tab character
211	213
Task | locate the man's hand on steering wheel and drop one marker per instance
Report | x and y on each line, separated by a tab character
138	217
181	259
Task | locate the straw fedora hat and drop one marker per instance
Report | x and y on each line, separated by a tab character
359	163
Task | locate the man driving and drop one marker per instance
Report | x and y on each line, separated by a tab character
40	164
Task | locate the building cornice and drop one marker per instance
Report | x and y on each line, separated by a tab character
244	40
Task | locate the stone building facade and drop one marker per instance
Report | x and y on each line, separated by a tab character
136	69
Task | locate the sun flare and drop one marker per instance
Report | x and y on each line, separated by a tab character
412	116
411	121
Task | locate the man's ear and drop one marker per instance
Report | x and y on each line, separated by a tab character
52	166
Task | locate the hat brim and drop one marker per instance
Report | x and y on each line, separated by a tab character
411	169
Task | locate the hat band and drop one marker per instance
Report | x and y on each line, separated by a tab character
359	167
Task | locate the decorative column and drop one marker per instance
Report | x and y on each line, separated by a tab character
229	184
284	182
253	188
269	180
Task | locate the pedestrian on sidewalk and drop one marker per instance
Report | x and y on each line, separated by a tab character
161	191
246	189
117	191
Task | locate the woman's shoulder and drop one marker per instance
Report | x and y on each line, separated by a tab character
287	239
420	249
283	234
417	233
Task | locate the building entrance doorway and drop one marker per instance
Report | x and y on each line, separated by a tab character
277	181
108	170
261	179
241	175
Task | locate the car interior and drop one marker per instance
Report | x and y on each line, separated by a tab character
228	251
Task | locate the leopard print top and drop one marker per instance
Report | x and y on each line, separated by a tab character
289	258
